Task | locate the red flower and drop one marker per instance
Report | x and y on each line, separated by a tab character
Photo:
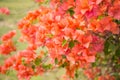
8	36
4	10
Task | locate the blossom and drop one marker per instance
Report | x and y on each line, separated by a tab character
4	10
8	36
114	10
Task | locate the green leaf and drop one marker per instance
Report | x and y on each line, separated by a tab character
71	11
117	75
64	42
106	47
56	61
8	72
76	41
117	52
49	35
71	44
23	62
63	56
114	58
76	73
116	21
117	66
33	67
64	64
38	61
94	64
46	67
101	17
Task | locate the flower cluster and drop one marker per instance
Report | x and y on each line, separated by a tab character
72	31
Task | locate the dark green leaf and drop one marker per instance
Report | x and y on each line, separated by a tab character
38	61
56	61
94	64
64	64
106	47
114	58
76	41
76	74
71	44
117	66
23	62
71	11
46	67
117	52
33	67
63	56
116	21
117	75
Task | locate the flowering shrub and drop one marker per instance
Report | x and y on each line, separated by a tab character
74	33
